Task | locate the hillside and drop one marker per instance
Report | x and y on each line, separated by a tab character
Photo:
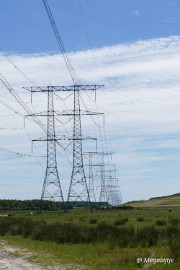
165	201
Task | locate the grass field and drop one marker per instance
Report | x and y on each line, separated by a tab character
168	201
102	239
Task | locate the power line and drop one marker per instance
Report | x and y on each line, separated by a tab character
60	42
10	108
14	152
16	67
19	100
84	24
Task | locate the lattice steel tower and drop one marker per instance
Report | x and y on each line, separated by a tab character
91	179
103	197
51	186
51	189
78	189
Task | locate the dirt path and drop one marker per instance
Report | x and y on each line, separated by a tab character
17	259
10	259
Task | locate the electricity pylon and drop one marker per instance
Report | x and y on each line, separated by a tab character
112	187
91	180
78	189
51	189
51	186
91	175
103	196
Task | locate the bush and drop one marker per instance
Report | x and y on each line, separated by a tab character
174	221
120	221
140	219
160	222
171	235
147	236
93	221
114	235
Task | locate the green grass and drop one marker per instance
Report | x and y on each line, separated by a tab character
101	254
97	256
166	201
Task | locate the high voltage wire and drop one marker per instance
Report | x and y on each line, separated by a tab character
7	85
16	67
14	152
19	100
10	108
60	43
91	50
22	104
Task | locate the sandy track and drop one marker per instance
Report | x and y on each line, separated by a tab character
12	258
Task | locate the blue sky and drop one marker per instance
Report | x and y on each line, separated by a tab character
135	53
25	28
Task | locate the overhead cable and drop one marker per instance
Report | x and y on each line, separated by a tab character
60	43
20	101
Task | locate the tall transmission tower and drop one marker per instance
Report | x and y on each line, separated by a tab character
51	186
51	189
78	188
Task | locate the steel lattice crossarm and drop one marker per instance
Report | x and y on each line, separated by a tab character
81	112
34	89
66	113
98	153
63	138
113	179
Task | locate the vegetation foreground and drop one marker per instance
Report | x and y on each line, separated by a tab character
102	239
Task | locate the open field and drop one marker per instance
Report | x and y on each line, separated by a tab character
168	201
99	240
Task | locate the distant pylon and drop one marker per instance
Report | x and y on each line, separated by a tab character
103	192
112	186
103	195
91	179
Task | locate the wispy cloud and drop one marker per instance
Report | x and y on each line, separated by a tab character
136	13
141	101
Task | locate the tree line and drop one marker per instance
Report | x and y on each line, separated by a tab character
46	205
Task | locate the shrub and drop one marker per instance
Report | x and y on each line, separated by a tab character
93	221
120	221
160	222
140	219
147	236
171	236
114	235
174	221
